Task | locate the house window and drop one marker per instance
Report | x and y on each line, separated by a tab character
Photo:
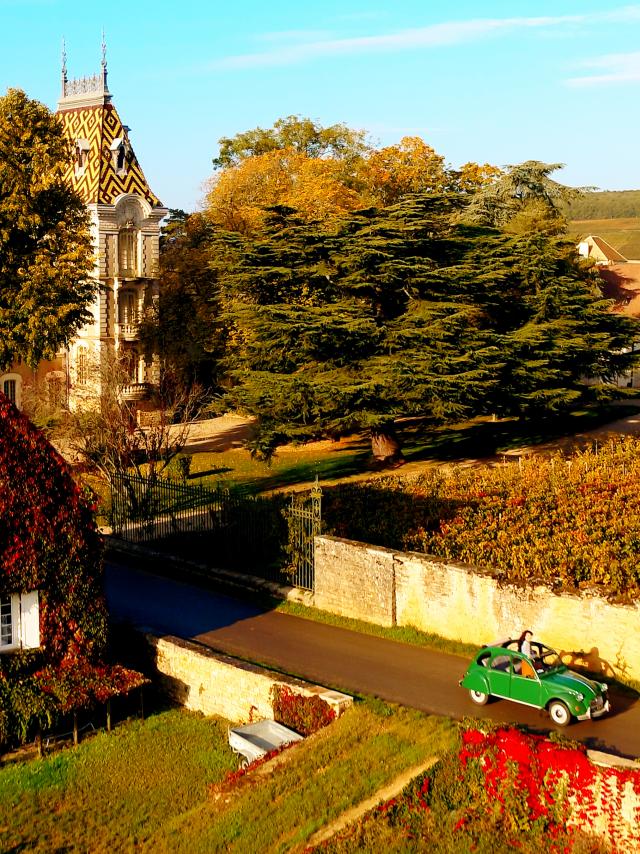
11	387
82	366
127	252
6	622
19	621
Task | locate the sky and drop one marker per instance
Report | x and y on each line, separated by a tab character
497	82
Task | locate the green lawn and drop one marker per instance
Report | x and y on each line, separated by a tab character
422	445
145	787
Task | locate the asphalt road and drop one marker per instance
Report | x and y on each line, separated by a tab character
339	658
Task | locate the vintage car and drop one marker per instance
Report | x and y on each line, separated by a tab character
540	680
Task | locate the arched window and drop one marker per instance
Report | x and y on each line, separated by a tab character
11	387
128	252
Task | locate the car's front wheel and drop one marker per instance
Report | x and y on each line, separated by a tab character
559	713
479	698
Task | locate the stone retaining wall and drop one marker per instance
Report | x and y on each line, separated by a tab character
216	684
472	605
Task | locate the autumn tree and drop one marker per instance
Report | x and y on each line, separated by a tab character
239	195
183	326
45	247
411	166
296	133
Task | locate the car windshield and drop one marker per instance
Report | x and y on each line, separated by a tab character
545	657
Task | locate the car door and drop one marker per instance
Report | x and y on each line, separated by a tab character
500	674
525	682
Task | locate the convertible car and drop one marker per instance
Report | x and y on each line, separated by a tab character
540	680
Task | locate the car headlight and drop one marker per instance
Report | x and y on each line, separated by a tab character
580	697
604	686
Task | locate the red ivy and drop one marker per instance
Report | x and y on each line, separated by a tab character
303	714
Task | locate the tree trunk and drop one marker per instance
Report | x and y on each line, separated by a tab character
385	447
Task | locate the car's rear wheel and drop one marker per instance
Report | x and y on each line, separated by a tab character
559	713
479	698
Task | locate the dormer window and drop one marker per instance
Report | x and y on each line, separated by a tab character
82	156
119	151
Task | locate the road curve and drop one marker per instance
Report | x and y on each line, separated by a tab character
336	657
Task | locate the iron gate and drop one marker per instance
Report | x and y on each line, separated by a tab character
305	522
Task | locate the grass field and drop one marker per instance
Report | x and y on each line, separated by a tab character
622	234
145	787
423	446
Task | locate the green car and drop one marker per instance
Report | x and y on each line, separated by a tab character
540	680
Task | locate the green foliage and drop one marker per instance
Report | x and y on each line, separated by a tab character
115	790
45	246
297	133
406	311
524	197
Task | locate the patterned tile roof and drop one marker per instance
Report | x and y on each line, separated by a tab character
96	174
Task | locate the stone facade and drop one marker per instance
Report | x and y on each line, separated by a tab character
210	682
468	604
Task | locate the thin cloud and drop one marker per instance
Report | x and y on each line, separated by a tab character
436	35
615	68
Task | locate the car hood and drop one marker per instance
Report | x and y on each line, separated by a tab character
574	682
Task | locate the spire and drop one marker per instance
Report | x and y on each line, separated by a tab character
104	62
64	68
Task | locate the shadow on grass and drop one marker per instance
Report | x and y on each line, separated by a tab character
489	438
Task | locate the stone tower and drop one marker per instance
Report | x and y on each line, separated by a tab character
125	220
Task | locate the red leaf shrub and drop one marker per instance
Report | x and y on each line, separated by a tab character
304	715
49	542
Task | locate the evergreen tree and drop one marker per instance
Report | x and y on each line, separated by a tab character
406	311
45	247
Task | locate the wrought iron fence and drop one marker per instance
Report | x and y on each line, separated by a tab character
220	527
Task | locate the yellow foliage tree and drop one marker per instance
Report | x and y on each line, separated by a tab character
316	187
411	166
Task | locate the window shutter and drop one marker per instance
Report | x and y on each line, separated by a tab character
29	620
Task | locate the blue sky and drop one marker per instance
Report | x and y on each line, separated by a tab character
497	82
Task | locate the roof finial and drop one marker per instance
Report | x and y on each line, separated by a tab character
64	68
104	61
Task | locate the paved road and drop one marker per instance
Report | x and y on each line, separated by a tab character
336	657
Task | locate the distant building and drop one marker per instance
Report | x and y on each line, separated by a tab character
600	251
620	282
125	222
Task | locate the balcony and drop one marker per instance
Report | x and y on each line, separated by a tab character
129	330
135	391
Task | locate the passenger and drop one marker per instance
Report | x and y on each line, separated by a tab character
524	642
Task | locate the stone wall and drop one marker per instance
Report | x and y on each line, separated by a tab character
471	605
355	580
216	684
